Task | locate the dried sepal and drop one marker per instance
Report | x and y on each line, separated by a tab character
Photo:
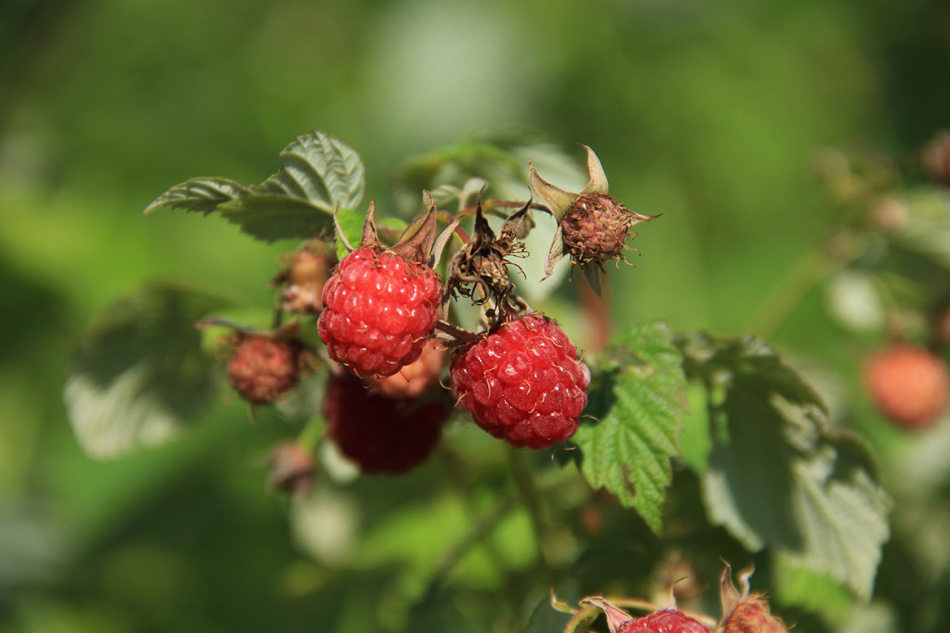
743	611
558	201
596	178
415	243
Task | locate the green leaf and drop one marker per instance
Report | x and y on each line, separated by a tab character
318	175
639	402
199	194
927	229
139	374
778	476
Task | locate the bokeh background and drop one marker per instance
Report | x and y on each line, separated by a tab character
710	112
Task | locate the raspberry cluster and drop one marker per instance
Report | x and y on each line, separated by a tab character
379	310
523	382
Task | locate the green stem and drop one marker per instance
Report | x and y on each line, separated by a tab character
310	435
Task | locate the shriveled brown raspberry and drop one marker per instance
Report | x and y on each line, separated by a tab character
262	369
596	228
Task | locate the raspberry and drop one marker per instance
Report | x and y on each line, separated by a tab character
414	378
262	369
381	434
523	382
664	621
379	309
595	229
305	277
752	615
908	384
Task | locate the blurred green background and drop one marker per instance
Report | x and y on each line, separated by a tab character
709	112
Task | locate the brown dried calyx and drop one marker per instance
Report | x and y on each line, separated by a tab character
415	243
742	611
592	226
480	269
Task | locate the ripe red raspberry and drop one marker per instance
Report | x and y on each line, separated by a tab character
381	434
262	369
908	384
379	309
523	382
664	621
413	379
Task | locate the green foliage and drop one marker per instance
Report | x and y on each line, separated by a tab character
139	374
638	405
319	174
778	475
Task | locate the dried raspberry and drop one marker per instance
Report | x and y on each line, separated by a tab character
262	369
595	229
908	384
413	379
665	621
381	434
304	278
523	382
752	615
379	310
743	611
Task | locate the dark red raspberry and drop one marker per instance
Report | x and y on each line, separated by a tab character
596	228
382	434
262	369
523	382
664	621
908	384
416	377
379	309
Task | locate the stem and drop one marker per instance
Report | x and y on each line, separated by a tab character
310	435
463	336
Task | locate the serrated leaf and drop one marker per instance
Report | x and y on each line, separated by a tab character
639	403
199	194
139	375
318	174
320	169
778	477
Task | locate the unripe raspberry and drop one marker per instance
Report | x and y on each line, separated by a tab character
379	310
262	369
305	277
908	384
381	434
523	382
752	615
595	229
413	379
